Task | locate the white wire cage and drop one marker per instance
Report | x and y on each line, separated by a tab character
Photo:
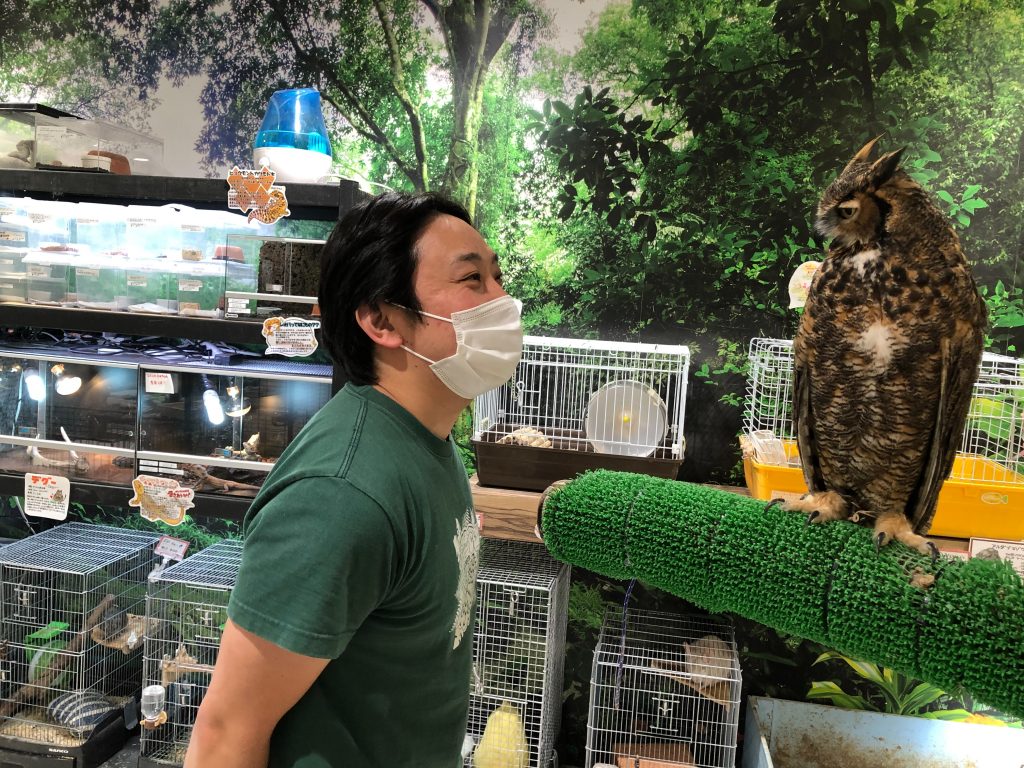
518	655
664	691
992	448
187	609
576	404
73	626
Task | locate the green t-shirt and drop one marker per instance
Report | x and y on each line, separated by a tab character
362	547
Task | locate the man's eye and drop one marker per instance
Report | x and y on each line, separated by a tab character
474	276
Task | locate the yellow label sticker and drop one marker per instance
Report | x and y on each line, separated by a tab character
161	499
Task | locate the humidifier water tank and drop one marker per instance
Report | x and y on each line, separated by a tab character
292	140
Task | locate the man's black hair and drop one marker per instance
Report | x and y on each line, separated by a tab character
370	258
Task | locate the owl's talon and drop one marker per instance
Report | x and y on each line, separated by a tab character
879	542
811	517
934	552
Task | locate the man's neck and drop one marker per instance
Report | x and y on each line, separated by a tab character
431	403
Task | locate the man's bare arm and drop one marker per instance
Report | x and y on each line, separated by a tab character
255	682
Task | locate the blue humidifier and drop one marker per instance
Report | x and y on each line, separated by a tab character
292	140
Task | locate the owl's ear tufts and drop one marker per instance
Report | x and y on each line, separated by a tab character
865	153
884	167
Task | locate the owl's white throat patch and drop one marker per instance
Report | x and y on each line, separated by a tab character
877	342
862	259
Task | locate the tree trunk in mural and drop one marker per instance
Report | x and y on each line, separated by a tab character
474	31
421	174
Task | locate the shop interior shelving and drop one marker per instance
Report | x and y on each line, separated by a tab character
320	202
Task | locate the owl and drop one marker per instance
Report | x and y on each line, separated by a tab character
886	354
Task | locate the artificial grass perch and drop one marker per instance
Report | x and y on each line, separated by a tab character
948	622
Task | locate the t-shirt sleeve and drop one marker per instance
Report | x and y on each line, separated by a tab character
317	559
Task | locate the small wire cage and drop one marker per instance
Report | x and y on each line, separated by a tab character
992	449
518	654
73	627
187	607
612	402
665	691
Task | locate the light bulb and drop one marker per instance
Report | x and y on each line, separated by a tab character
35	385
67	385
214	410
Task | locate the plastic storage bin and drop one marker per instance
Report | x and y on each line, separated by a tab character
101	228
47	277
101	282
993	508
152	286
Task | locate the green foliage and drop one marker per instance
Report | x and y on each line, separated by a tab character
462	432
879	689
961	210
731	359
1005	313
199	534
883	690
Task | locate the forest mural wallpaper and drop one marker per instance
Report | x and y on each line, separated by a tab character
646	169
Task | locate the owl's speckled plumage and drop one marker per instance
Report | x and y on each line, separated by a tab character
886	354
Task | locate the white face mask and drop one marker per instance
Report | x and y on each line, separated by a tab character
489	343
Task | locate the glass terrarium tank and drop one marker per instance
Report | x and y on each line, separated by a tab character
284	277
67	415
220	430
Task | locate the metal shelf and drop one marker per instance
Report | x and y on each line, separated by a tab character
305	201
131	323
83	492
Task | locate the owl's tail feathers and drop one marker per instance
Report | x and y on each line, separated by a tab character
895	525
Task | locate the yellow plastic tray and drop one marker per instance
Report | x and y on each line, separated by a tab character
991	506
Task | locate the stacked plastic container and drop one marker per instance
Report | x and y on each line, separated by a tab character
153	259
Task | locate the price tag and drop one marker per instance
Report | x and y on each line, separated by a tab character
12	235
136	281
290	336
189	286
159	382
1010	551
47	496
171	548
161	499
86	272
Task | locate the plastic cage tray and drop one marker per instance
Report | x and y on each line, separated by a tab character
529	468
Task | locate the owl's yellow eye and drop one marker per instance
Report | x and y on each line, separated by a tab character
847	210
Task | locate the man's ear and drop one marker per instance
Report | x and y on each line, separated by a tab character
376	323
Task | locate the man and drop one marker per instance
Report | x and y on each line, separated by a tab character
349	637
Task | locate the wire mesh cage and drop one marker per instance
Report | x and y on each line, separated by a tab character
992	449
665	691
518	653
73	625
187	608
576	404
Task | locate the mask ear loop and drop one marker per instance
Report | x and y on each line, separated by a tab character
417	354
420	312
